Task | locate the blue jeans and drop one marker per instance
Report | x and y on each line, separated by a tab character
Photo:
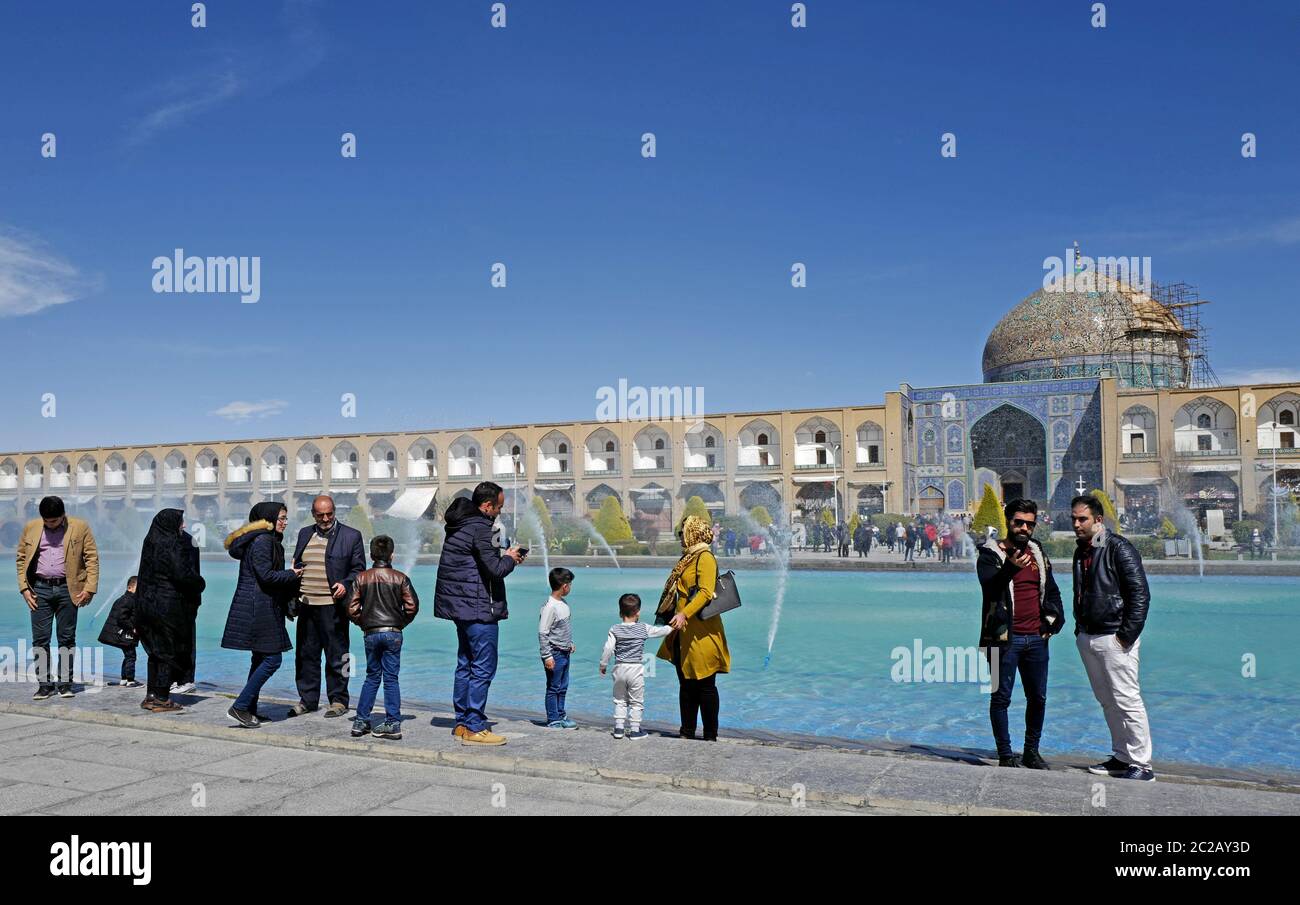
1028	653
383	659
557	685
263	667
55	612
476	665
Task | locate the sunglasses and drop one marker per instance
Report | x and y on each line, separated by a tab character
1022	523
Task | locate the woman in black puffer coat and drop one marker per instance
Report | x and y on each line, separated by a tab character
261	602
168	593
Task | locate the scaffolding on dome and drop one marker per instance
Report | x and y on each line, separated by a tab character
1184	302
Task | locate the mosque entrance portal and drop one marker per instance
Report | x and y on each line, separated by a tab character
1013	444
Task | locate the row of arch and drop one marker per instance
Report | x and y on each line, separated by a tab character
818	443
1208	425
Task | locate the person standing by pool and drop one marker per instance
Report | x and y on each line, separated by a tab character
265	587
331	556
698	647
58	572
168	594
119	632
1111	599
471	592
1022	610
184	683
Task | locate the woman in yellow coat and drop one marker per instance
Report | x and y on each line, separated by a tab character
698	649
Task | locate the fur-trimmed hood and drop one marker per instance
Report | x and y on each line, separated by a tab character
239	539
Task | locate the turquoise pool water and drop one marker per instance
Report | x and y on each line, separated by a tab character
830	672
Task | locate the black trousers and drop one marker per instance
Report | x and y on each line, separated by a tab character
698	697
161	679
322	629
187	674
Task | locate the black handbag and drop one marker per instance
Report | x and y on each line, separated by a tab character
726	596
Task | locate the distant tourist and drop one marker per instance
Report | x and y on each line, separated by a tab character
1256	543
167	600
555	635
119	632
471	592
1022	609
1111	598
264	594
945	544
626	644
331	556
909	541
842	540
698	648
382	604
731	542
58	572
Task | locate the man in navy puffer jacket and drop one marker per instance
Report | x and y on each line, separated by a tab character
471	592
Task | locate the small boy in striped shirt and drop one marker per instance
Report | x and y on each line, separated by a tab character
626	644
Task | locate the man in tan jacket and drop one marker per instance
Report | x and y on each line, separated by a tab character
58	571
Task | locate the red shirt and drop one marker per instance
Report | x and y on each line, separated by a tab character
1026	620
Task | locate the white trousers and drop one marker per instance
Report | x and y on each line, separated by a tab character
629	693
1113	674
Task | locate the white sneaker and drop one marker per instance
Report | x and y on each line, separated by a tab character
179	688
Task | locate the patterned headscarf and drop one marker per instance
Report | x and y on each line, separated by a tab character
697	536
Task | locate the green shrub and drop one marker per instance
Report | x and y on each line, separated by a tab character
573	546
1241	530
1149	547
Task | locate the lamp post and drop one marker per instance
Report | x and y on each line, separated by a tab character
835	482
1276	494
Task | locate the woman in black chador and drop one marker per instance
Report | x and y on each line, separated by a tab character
167	599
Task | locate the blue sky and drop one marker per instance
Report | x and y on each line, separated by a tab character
522	145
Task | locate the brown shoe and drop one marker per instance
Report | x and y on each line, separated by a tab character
482	737
299	709
166	707
148	702
336	710
460	731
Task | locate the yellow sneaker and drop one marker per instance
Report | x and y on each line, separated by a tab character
483	737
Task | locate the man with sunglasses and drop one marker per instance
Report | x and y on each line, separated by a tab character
331	556
1022	610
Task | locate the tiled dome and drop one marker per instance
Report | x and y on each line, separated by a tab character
1060	333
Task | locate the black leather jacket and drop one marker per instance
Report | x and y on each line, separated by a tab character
1114	598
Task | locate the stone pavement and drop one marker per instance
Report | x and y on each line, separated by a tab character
98	753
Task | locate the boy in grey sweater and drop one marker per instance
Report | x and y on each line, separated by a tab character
555	637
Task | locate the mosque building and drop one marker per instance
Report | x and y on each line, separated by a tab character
1101	386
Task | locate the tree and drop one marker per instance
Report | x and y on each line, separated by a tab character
853	524
828	518
1168	530
526	532
357	518
695	506
989	515
761	516
1107	509
611	523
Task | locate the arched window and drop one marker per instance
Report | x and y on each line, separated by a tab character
563	448
473	452
515	451
1204	422
428	455
391	456
762	439
708	443
659	444
819	437
1286	417
609	446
